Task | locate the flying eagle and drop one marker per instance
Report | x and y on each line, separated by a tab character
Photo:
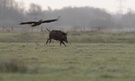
36	23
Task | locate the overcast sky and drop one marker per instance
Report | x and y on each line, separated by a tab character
109	5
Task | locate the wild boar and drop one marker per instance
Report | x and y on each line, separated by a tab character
57	35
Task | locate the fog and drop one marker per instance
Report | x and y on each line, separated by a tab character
72	18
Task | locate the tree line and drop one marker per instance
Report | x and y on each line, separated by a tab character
12	13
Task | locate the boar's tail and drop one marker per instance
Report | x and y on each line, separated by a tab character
48	29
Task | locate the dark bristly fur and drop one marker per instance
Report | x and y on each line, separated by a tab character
57	35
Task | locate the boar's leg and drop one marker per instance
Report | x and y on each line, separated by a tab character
50	40
47	40
62	43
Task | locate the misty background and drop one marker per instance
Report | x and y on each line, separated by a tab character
72	18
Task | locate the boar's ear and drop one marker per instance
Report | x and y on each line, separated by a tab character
66	33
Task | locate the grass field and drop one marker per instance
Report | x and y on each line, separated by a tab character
88	57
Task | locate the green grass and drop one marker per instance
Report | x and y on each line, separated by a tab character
79	61
73	37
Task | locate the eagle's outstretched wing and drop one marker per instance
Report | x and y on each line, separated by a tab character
51	20
30	22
